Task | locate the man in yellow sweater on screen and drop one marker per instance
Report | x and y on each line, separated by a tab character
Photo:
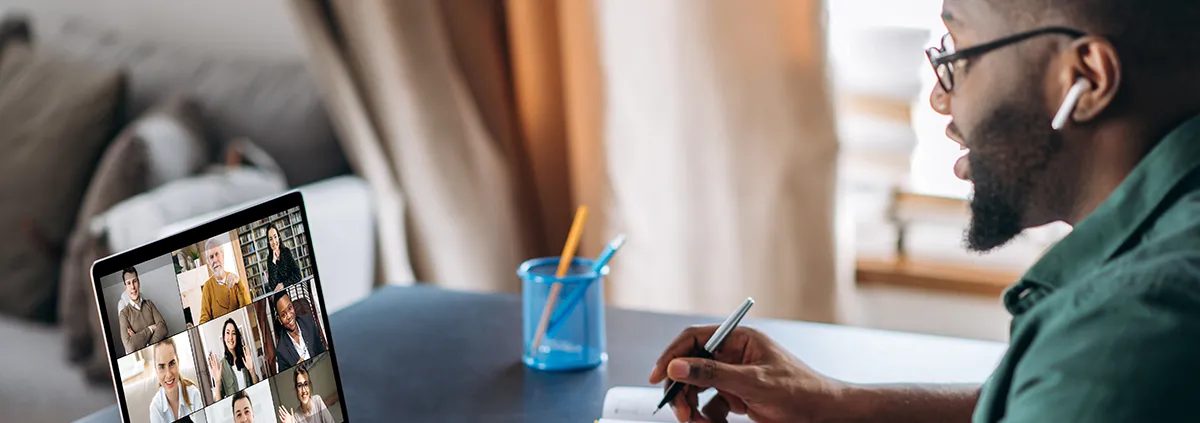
224	291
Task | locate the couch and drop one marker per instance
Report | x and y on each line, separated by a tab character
40	383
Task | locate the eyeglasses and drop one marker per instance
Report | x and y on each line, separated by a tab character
302	385
945	58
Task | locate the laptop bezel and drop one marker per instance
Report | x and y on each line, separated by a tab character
166	245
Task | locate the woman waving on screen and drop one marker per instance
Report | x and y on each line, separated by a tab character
312	407
235	371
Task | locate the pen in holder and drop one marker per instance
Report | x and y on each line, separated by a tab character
578	339
573	300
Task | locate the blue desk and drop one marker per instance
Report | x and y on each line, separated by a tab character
419	354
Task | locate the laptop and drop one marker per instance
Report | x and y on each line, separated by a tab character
223	322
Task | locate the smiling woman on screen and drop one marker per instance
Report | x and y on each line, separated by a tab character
312	407
168	405
282	270
235	371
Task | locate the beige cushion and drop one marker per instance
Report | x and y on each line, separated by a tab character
165	144
57	116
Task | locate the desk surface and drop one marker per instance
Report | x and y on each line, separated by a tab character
421	354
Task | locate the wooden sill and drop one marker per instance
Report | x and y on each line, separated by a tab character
933	276
876	106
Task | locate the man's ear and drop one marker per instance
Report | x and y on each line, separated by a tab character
1094	59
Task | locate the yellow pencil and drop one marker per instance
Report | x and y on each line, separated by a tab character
564	264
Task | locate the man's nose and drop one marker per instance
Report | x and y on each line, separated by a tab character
939	99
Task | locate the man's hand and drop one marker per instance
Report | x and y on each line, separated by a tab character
752	375
130	331
153	328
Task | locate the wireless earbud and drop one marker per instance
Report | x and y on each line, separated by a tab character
1068	104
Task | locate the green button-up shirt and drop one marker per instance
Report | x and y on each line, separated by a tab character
1106	326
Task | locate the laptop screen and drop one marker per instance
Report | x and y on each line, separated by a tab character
223	323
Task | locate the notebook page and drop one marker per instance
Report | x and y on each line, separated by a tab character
636	404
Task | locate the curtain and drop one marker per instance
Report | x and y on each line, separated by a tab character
702	129
417	135
722	156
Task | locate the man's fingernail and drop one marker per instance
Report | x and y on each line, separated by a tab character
677	369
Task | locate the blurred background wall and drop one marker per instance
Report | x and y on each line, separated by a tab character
255	28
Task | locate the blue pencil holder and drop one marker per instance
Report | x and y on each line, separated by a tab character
574	338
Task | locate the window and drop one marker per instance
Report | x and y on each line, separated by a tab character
893	141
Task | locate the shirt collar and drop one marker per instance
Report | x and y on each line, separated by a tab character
160	399
299	339
137	305
164	407
1120	218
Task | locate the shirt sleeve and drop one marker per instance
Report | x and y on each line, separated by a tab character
156	411
1130	357
243	291
320	411
156	415
126	339
293	268
228	380
140	338
205	301
160	331
316	346
194	395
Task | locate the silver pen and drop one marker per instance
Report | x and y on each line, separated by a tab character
710	347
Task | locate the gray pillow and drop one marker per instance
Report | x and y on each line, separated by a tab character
165	144
276	104
57	115
14	28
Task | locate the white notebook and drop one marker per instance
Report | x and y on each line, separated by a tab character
625	404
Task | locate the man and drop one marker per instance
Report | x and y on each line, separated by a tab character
243	409
1106	326
140	322
299	339
224	291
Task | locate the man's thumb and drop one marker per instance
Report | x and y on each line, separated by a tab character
710	373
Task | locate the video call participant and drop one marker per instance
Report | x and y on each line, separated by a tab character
141	323
243	409
282	269
168	405
312	407
235	371
224	291
298	340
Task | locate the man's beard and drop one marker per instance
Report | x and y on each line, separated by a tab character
1010	154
